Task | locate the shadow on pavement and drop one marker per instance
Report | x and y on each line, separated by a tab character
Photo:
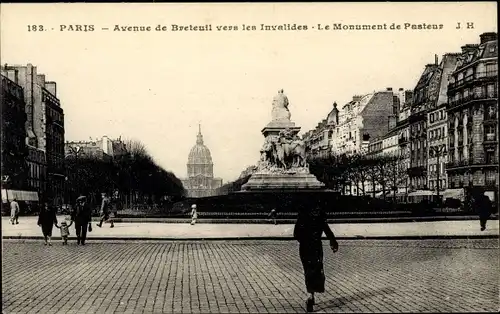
361	295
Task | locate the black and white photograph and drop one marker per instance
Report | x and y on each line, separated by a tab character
250	157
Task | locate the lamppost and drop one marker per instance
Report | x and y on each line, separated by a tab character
437	151
130	180
76	152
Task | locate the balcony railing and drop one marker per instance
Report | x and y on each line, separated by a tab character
469	162
479	76
472	97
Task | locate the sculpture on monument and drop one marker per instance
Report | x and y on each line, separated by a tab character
282	164
280	107
284	151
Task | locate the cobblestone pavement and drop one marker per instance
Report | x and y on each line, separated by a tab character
248	276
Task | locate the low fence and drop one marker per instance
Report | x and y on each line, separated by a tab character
289	215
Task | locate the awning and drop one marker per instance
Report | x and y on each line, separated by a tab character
9	195
422	193
391	194
454	193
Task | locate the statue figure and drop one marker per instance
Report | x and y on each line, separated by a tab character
289	151
299	149
267	152
280	110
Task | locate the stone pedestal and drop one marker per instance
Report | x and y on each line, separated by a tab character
274	128
282	182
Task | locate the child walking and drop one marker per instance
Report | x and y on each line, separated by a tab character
64	231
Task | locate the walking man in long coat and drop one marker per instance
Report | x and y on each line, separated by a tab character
310	225
482	206
82	215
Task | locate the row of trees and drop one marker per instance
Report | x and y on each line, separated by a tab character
368	174
361	171
134	175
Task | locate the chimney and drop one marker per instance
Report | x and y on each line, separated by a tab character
436	59
389	89
51	87
41	79
486	37
469	48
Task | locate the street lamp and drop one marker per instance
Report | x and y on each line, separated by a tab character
76	152
438	150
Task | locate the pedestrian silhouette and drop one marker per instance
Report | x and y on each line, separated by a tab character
309	228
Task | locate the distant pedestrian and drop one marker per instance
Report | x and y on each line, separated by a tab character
105	211
310	225
272	216
82	216
14	212
64	231
46	220
481	205
194	214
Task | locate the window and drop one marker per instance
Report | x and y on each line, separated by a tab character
490	157
490	177
491	69
491	92
489	133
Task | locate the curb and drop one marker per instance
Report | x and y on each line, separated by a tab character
288	238
292	221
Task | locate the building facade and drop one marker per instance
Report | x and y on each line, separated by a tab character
319	140
429	93
41	107
473	118
103	148
437	139
54	144
363	118
14	149
200	181
437	134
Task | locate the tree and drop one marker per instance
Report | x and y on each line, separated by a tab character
133	173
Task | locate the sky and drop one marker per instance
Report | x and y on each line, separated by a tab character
157	86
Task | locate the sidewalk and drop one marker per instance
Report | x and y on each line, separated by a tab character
28	229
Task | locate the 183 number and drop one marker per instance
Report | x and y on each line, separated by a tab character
36	28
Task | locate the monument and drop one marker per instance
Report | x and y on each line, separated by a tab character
283	164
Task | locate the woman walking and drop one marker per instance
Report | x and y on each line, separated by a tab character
310	225
46	220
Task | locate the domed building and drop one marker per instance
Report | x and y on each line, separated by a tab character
200	181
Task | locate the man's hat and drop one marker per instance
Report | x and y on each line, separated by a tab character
193	206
